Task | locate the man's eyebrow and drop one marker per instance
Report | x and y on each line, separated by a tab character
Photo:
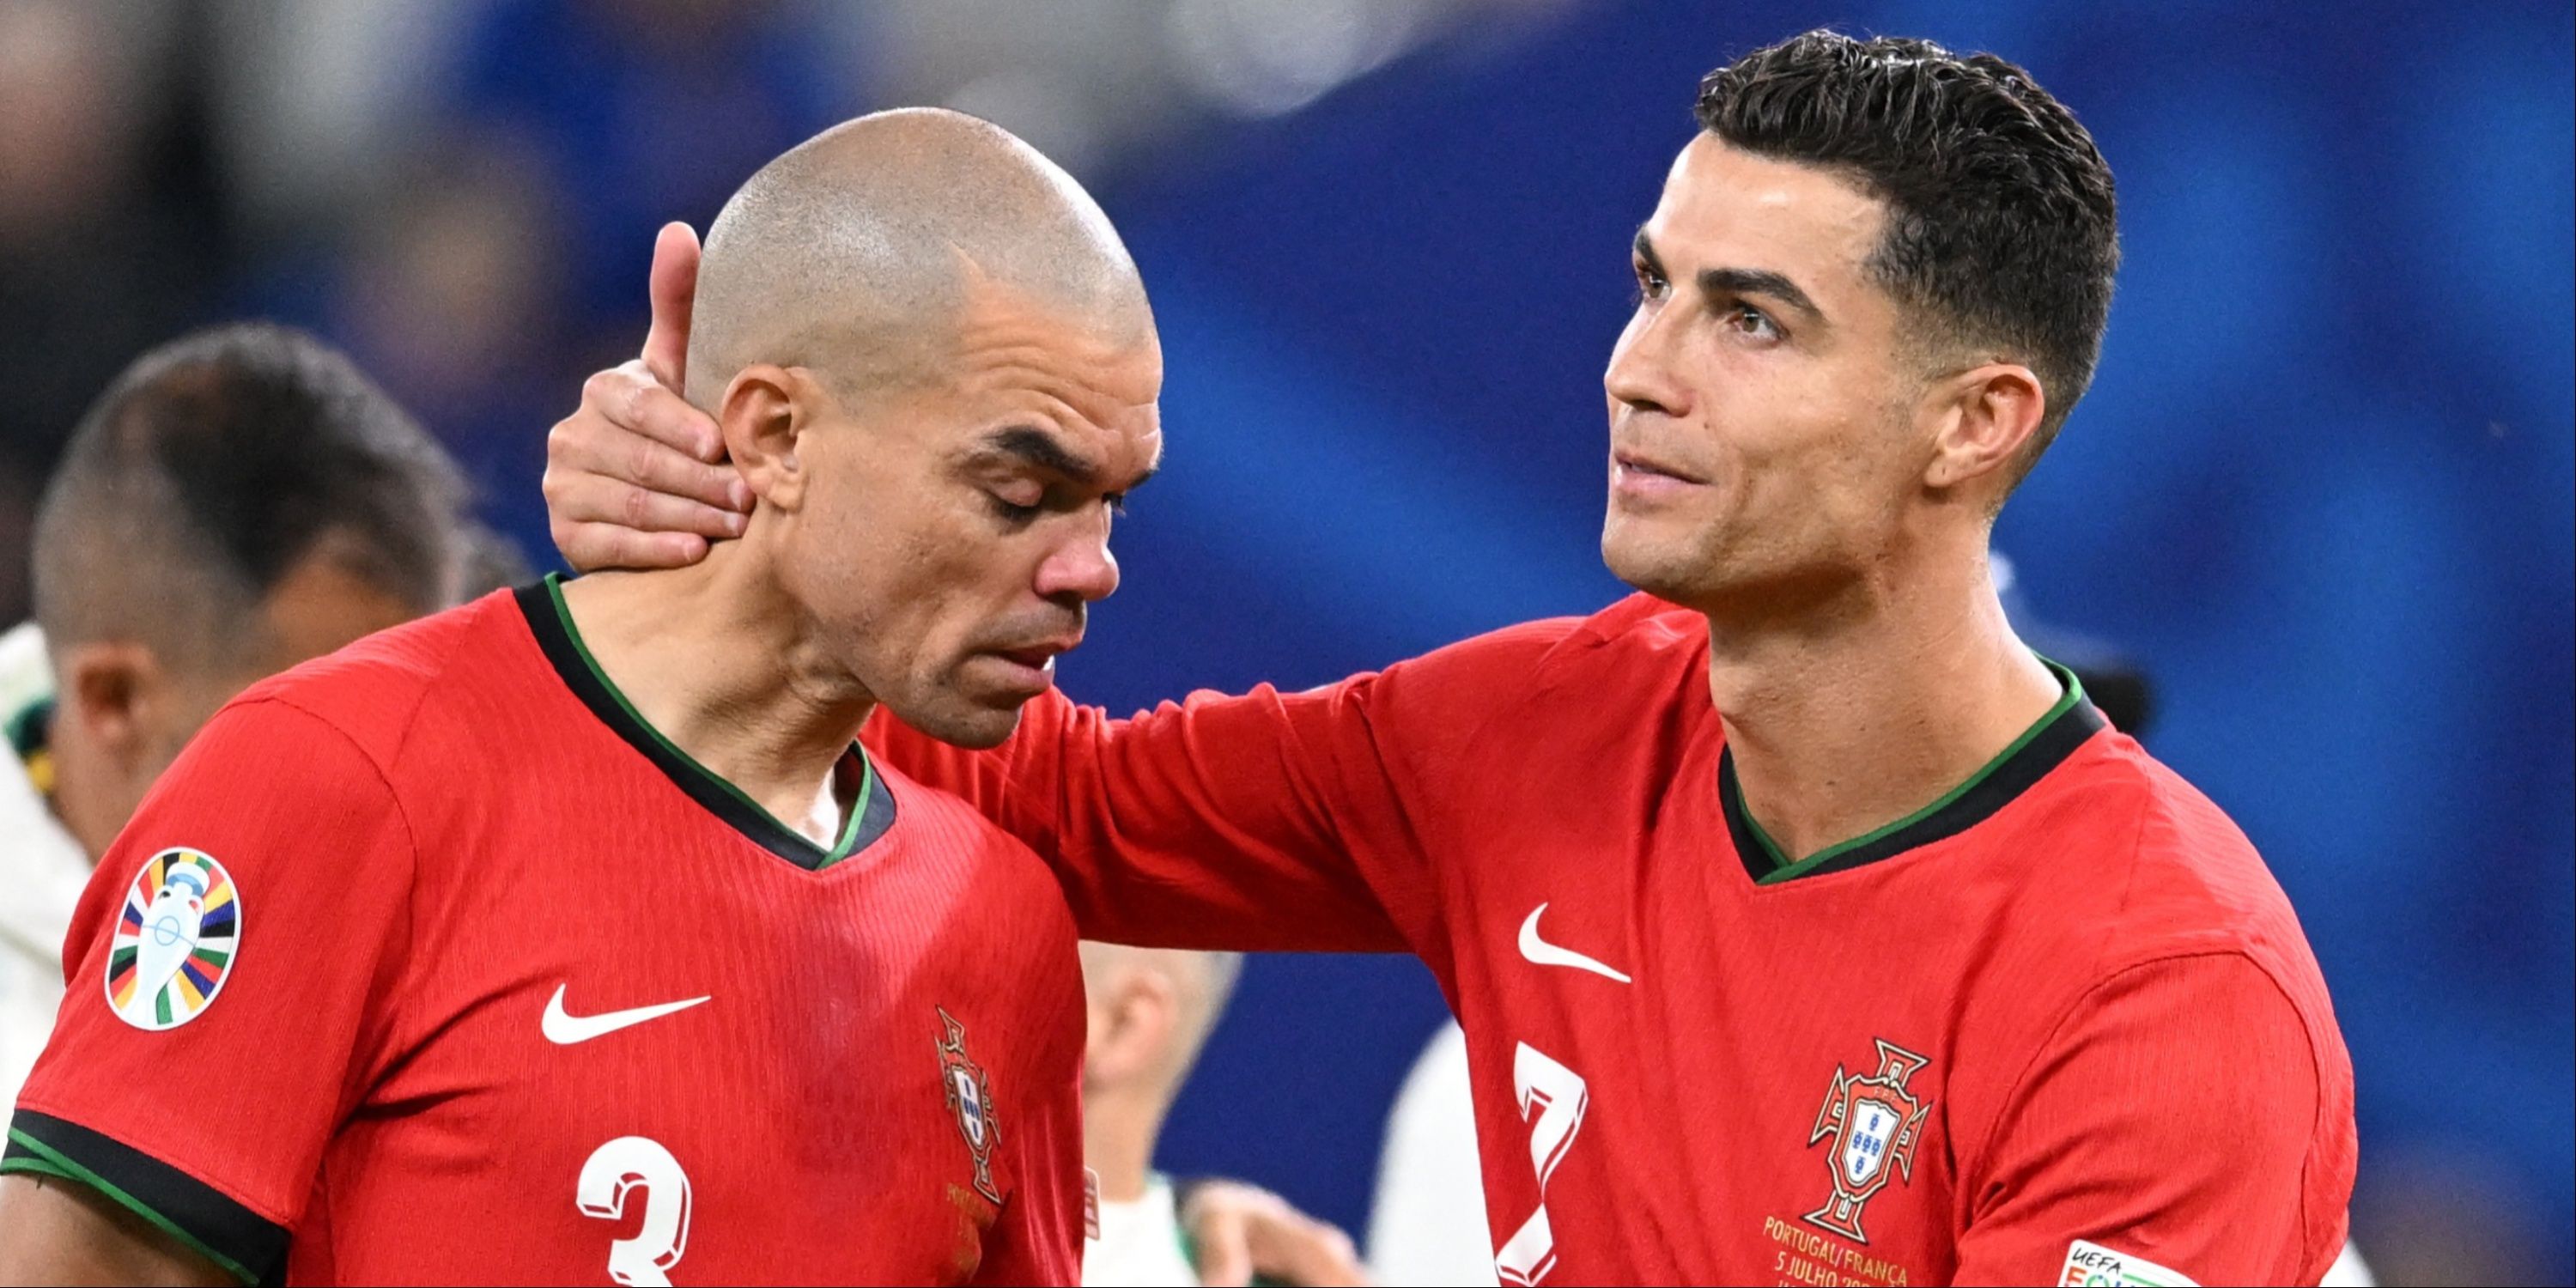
1042	450
1645	248
1717	283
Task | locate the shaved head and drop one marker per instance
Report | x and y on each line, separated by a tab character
934	369
854	253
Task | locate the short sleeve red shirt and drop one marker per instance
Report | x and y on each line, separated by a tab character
2061	1019
430	962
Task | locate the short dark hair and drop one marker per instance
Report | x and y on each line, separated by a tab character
2002	225
210	469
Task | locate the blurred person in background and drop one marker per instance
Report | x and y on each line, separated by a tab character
675	101
238	501
110	236
1150	1011
452	299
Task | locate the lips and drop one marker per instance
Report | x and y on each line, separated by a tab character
1635	462
1037	656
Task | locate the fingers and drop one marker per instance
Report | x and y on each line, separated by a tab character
635	432
1240	1230
628	397
590	547
583	497
1298	1249
1222	1244
673	287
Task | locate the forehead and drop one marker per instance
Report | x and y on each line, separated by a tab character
1019	356
1725	207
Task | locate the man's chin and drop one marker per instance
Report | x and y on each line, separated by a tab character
1655	567
977	724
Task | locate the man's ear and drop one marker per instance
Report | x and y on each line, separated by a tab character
1984	420
1142	1010
764	412
112	692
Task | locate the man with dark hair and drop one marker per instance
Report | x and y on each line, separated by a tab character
1805	925
238	501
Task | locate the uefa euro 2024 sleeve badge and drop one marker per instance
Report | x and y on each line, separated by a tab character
1876	1123
970	1100
176	940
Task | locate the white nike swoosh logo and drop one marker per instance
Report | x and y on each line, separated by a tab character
564	1030
1542	953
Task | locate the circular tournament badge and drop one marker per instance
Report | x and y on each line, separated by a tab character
175	940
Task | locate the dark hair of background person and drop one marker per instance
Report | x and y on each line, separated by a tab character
213	468
2002	225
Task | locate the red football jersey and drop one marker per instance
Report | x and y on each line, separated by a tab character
2059	1020
430	962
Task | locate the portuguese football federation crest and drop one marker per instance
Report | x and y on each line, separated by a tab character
175	941
1875	1123
970	1100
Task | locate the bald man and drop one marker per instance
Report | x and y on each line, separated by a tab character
568	935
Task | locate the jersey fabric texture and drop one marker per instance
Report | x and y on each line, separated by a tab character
2065	1003
515	993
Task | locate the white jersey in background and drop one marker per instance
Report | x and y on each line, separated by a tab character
42	869
1140	1244
1428	1225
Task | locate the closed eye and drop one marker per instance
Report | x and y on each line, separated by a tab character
1013	513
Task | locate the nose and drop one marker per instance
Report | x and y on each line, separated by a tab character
1642	374
1081	567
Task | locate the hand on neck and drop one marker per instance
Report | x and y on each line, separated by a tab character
721	661
1869	704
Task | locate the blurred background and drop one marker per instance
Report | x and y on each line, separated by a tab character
2322	489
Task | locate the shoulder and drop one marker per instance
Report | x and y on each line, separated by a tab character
375	691
2188	879
2135	876
1638	642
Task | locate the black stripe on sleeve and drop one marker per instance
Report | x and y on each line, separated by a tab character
252	1248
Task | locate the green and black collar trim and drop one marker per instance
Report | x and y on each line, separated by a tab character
2039	749
871	817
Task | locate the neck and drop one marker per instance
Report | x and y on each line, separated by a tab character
724	664
1863	705
1118	1130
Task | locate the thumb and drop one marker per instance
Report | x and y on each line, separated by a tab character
674	288
1223	1250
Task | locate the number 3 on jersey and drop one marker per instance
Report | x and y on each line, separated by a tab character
1558	1095
614	1171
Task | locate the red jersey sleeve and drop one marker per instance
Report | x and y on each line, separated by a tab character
2179	1125
220	968
1262	821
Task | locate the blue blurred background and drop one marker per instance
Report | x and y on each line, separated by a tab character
2322	488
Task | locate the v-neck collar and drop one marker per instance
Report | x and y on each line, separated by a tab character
2040	748
871	815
